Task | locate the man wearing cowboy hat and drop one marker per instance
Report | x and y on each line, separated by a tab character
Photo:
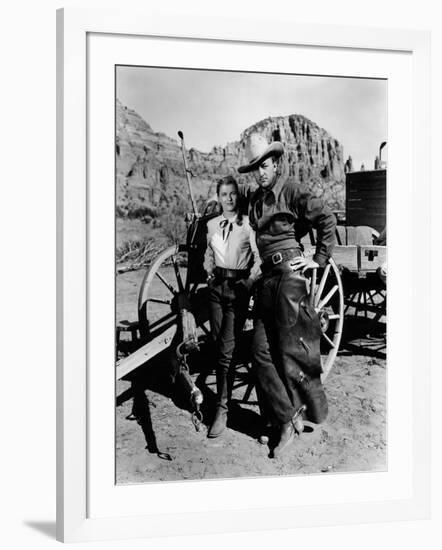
286	341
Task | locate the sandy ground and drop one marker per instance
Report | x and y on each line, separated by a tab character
164	445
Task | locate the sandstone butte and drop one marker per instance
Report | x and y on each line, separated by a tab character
150	173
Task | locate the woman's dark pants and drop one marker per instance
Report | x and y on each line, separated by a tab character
229	301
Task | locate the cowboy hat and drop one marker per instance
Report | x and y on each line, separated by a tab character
257	150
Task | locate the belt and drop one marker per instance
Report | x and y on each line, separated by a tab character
278	259
231	273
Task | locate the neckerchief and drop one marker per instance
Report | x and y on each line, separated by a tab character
226	225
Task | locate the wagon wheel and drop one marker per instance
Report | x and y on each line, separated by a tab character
163	282
365	297
368	299
168	276
326	295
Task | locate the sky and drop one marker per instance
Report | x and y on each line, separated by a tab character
214	107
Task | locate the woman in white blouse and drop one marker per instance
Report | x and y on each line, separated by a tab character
232	264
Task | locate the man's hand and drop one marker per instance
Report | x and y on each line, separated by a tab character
210	279
303	264
244	285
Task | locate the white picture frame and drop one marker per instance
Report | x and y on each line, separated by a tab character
84	503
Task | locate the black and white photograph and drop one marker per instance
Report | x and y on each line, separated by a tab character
250	274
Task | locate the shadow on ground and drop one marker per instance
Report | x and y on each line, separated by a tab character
158	375
361	336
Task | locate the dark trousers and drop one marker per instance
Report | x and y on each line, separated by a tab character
286	349
228	302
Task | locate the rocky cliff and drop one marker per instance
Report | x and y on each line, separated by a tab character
311	157
150	172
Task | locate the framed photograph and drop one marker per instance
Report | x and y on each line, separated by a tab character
176	139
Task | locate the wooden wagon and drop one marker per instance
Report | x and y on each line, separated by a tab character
173	298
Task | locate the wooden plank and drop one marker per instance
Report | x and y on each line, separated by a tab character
371	257
366	198
351	235
341	235
346	256
145	353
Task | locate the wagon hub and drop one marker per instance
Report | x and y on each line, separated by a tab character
324	320
174	304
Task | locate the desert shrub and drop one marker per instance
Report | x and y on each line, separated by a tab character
141	212
137	252
172	220
120	212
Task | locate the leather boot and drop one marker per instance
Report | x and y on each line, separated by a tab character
224	391
298	422
289	430
266	430
287	436
219	423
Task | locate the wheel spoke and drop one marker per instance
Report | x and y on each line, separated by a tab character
194	288
333	306
323	302
177	274
204	329
171	317
371	299
165	283
156	309
322	284
187	283
349	303
312	286
327	339
158	301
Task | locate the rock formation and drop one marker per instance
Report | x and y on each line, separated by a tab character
312	156
150	174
